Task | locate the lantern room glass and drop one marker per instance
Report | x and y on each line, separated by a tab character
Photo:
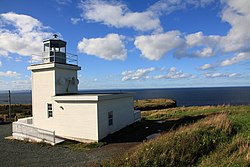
55	51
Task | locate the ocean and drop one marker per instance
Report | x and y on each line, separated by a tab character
183	96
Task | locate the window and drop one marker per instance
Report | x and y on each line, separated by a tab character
49	110
110	117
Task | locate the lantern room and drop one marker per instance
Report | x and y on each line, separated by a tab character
54	50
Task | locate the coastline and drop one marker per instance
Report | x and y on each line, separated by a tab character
184	96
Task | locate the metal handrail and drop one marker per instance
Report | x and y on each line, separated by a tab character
48	57
27	120
29	130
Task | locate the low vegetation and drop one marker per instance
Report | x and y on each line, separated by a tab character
152	104
219	136
17	110
220	139
180	112
78	146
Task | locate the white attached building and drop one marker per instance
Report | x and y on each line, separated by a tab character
60	112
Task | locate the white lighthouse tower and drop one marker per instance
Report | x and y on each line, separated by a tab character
54	76
59	111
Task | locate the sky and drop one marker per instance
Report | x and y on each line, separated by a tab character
131	44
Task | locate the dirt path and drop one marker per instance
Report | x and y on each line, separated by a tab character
17	153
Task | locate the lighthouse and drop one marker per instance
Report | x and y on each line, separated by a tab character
53	76
60	112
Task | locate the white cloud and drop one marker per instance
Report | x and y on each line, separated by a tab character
156	46
110	47
4	85
63	2
172	69
233	75
18	59
1	64
9	74
194	39
137	74
17	85
4	53
144	73
24	38
75	20
205	52
118	15
237	14
174	74
206	67
198	45
21	82
236	59
199	39
168	6
199	3
23	23
219	75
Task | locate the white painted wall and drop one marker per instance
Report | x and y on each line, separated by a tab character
64	82
86	115
123	115
42	91
45	86
76	120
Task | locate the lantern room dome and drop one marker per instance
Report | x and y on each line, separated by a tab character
55	50
55	42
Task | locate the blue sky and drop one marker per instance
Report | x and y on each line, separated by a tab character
131	44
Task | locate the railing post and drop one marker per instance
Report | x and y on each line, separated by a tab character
76	60
54	137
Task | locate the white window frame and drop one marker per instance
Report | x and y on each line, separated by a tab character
50	110
110	118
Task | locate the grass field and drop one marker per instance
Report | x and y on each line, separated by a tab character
151	104
205	136
220	139
17	111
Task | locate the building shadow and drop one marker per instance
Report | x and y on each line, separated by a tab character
139	131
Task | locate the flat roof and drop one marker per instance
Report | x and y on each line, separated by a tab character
51	65
91	96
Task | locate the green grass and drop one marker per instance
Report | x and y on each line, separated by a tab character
220	139
19	110
242	120
180	112
236	152
78	146
150	104
233	153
